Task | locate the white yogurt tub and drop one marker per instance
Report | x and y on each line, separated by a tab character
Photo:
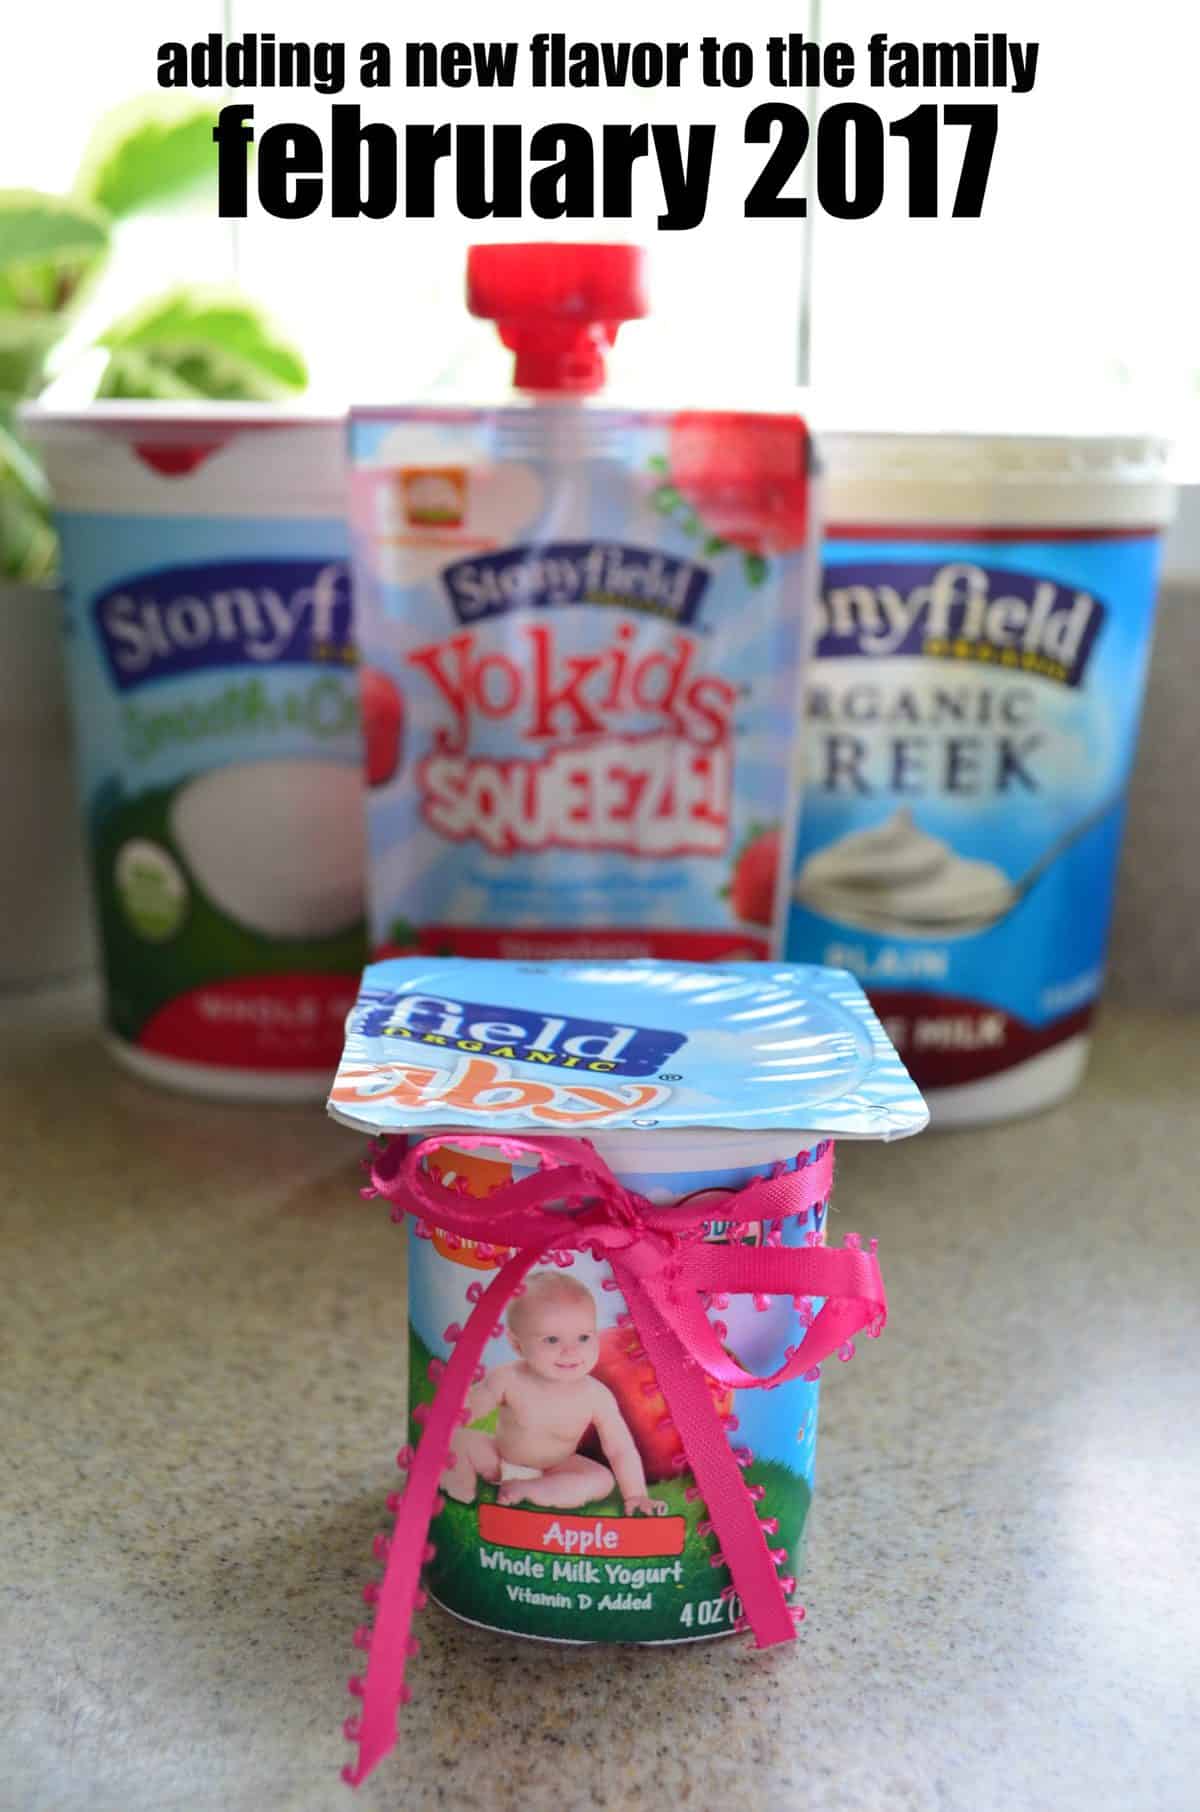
979	661
212	668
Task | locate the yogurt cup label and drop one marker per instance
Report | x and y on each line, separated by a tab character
211	655
566	1515
972	709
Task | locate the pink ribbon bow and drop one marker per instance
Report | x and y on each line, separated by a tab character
665	1269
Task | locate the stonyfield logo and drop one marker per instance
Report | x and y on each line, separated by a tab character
959	611
243	613
599	1046
575	572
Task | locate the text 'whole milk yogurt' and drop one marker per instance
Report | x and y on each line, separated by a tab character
212	665
581	634
689	1081
978	665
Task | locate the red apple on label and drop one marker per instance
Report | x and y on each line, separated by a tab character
383	724
631	1380
752	889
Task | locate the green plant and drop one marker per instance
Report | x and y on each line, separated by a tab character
195	341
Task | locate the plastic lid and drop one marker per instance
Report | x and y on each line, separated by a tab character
557	307
1129	458
197	459
994	481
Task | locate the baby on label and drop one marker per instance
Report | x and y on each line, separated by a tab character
545	1403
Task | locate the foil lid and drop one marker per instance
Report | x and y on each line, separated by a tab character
572	1047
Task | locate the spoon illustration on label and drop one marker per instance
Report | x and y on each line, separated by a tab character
898	880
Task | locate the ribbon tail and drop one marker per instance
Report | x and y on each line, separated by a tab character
740	1535
383	1687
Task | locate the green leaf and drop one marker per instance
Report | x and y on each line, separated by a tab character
130	374
49	249
656	463
665	499
38	229
18	463
25	342
185	373
756	568
213	339
28	549
150	153
715	544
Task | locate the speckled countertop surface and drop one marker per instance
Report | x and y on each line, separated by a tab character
201	1394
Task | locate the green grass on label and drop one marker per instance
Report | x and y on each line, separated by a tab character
144	975
458	1579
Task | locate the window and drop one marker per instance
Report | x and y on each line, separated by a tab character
62	65
382	299
1074	300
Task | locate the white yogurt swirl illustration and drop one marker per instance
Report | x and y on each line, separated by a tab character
896	878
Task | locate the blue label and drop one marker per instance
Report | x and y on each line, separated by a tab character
541	576
961	611
516	1035
220	763
971	716
232	613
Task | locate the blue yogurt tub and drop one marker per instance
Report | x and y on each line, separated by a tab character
972	710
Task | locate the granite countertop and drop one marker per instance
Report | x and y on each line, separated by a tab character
202	1391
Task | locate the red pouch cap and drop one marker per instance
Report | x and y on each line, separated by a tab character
557	307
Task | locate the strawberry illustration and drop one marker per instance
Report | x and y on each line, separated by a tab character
383	724
630	1378
751	892
744	478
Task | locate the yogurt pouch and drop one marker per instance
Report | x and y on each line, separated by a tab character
689	1081
581	631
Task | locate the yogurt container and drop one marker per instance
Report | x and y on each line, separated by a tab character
688	1081
212	670
973	701
581	629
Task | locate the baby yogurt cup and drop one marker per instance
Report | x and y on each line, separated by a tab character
211	662
570	1512
558	1556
